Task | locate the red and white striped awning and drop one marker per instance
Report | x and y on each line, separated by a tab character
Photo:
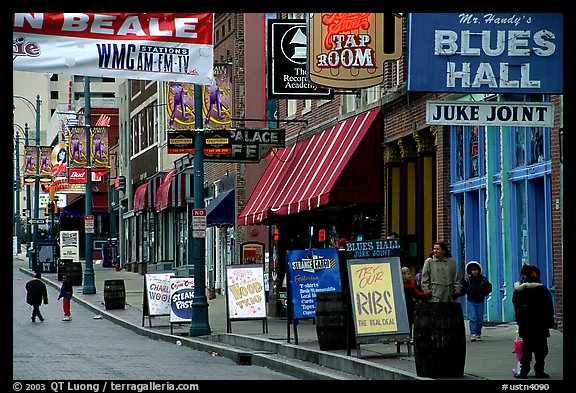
312	172
164	192
140	198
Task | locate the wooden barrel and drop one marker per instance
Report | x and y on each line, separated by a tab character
439	340
331	318
114	294
74	273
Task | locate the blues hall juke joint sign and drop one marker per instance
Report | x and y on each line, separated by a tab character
376	289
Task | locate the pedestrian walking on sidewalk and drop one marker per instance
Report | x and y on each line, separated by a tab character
476	287
66	291
440	275
535	316
36	292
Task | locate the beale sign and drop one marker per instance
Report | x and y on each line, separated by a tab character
521	114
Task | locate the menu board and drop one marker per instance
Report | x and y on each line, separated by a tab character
157	291
245	291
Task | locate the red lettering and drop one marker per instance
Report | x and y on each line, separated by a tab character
21	48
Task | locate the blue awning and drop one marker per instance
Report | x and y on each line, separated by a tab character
220	210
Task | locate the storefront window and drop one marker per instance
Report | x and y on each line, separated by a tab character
522	222
459	153
536	145
520	149
474	159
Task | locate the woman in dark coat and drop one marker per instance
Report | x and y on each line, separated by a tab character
535	316
35	293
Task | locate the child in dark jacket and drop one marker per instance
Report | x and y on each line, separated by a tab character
476	287
66	291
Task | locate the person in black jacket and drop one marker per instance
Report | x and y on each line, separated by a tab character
535	316
35	293
476	287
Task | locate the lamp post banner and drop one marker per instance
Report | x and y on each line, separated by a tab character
150	46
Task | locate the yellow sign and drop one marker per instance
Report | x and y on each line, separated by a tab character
373	298
216	141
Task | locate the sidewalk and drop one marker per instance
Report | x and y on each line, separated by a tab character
490	359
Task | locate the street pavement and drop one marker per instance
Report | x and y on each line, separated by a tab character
99	349
276	346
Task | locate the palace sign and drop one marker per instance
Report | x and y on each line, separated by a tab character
233	145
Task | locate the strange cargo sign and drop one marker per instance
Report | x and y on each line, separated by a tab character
486	52
312	271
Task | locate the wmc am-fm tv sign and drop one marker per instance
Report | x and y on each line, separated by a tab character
486	52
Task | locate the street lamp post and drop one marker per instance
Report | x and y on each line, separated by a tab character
17	183
37	180
28	200
17	217
199	325
89	287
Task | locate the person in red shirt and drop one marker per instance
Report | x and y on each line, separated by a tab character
412	295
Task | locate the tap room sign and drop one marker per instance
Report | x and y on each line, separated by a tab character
486	52
348	50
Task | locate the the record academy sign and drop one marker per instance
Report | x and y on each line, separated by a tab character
287	74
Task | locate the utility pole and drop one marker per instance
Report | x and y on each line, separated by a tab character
17	191
32	251
89	287
28	225
199	325
37	185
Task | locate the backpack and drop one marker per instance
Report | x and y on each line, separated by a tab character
418	280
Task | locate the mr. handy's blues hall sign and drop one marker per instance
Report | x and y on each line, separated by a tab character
486	52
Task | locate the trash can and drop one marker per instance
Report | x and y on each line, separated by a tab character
106	256
439	340
63	265
74	273
333	321
114	294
